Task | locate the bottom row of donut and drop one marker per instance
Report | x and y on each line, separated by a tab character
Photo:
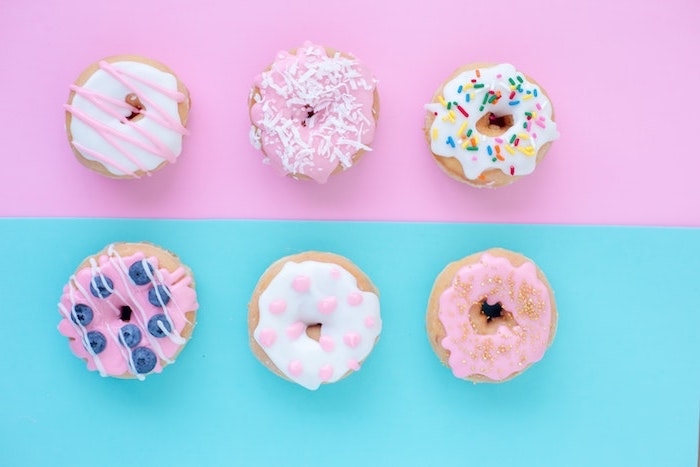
313	317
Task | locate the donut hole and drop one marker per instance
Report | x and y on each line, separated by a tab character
487	317
306	113
125	313
137	107
494	125
314	331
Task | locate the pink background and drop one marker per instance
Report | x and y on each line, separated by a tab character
623	76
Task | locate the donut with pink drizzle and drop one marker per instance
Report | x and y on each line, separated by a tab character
313	318
126	116
313	112
129	310
491	316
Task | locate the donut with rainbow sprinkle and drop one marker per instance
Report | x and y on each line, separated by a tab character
488	125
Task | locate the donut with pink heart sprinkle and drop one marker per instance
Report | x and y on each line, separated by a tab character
314	318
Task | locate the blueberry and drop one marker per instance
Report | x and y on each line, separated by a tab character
97	341
138	273
101	286
159	295
144	359
81	314
155	329
130	335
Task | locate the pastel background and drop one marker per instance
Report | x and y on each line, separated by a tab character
621	384
621	74
618	387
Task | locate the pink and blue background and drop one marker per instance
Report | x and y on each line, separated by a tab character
611	216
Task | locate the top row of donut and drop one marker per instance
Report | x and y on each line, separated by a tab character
314	112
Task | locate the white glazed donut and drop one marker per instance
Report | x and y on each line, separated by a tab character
313	318
126	116
488	125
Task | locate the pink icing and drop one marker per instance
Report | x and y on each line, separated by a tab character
301	284
354	299
510	349
268	337
353	364
351	339
114	360
312	112
369	322
327	343
327	305
325	373
294	330
295	368
278	306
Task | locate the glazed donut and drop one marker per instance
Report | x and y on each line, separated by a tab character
313	112
313	318
489	125
126	116
129	310
491	315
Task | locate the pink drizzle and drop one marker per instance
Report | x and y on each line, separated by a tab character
108	104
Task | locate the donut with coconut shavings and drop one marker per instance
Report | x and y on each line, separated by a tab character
313	112
488	125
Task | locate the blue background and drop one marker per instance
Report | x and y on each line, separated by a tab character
619	386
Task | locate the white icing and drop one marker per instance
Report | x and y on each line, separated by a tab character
148	140
326	280
449	123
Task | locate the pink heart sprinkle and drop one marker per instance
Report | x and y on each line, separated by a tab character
354	298
335	273
267	337
326	343
325	373
278	306
369	322
301	284
294	330
351	339
327	305
295	368
353	364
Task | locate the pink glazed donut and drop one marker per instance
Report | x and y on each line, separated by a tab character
129	310
313	112
491	316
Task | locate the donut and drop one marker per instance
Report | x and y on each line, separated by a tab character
314	112
489	125
491	316
126	116
128	310
313	318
